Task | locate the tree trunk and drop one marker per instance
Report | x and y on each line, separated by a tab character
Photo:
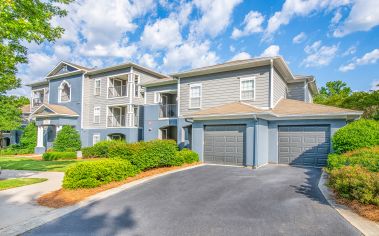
1	139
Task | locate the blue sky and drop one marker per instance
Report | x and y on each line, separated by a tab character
330	39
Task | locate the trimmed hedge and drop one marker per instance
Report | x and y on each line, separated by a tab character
90	174
100	149
358	134
355	183
366	157
187	156
50	156
68	139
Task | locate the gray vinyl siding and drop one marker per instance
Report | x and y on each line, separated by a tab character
280	87
308	95
296	91
222	88
151	90
144	78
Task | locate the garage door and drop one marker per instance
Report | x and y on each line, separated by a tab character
224	144
304	145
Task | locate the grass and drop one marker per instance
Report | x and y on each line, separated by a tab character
13	183
21	163
66	197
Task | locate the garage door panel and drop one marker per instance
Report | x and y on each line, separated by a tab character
224	144
306	145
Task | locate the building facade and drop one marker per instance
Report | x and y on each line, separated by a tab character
248	112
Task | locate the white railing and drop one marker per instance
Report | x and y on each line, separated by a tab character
168	111
118	91
130	120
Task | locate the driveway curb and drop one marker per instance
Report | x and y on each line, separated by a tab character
56	213
367	227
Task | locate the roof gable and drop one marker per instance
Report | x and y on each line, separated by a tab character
65	67
53	110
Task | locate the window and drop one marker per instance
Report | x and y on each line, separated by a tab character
136	116
95	139
157	97
96	115
195	95
247	89
38	97
97	87
137	87
64	92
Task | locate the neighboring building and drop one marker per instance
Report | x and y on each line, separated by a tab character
247	112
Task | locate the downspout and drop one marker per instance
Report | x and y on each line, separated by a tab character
271	83
306	86
255	142
178	98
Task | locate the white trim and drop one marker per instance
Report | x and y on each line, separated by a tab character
94	87
60	92
157	97
35	90
254	90
178	98
271	83
200	96
93	138
137	85
97	108
112	76
81	104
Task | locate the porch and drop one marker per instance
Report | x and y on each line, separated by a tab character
123	116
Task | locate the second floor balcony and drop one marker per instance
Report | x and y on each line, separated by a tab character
37	102
118	91
168	111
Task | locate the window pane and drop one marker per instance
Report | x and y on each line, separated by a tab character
195	91
195	102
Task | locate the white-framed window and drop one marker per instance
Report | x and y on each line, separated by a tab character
137	87
195	96
157	97
96	115
97	87
95	139
64	92
247	88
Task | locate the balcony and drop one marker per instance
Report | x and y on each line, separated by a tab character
168	111
117	121
118	91
37	102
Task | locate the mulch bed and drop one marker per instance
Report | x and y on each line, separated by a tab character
370	212
65	197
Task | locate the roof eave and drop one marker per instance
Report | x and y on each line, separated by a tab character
125	65
58	76
159	83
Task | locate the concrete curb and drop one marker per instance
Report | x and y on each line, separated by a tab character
56	213
367	227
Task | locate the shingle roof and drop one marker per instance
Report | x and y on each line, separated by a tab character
284	108
56	109
167	80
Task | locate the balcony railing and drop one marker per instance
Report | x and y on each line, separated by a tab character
168	111
37	102
123	121
117	91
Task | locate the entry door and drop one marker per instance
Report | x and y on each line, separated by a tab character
224	144
304	145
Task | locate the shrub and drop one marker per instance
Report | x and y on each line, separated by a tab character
90	174
50	156
358	134
188	156
28	138
356	183
119	148
147	155
100	149
366	157
67	138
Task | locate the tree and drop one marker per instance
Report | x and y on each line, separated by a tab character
22	21
28	139
68	139
333	94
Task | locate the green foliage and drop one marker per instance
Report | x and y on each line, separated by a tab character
333	94
18	182
366	157
147	155
19	163
101	149
95	173
28	139
356	183
187	156
358	134
50	156
67	139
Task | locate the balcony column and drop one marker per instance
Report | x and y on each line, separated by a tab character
59	127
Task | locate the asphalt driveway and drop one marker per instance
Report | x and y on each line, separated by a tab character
212	200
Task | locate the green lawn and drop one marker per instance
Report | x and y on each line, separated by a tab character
13	183
20	163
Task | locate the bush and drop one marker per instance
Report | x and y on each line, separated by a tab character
67	138
147	155
188	156
366	157
90	174
100	149
358	134
28	138
355	183
50	156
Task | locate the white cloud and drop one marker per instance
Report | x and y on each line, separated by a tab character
252	24
215	16
162	34
271	51
350	51
319	55
299	38
369	58
148	60
375	85
362	17
294	8
190	54
337	17
241	56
